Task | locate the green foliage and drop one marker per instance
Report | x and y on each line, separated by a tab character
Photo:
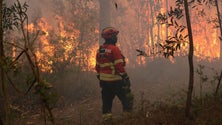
171	18
201	12
47	93
199	71
161	112
9	18
12	15
16	17
212	77
173	43
6	64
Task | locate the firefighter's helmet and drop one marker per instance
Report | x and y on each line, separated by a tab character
109	32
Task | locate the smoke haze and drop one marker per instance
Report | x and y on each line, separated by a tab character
155	75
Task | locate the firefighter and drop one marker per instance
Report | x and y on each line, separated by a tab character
112	75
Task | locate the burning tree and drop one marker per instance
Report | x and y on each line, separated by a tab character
15	20
48	47
173	43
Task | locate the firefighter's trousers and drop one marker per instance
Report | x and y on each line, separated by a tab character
121	89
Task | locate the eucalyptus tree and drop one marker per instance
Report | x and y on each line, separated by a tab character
14	18
220	25
190	59
4	106
174	43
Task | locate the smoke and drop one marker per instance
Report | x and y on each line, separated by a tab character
157	75
47	9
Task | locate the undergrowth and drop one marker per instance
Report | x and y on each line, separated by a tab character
205	111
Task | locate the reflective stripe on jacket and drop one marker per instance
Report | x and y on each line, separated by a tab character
109	63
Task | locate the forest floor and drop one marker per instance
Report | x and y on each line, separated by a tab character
154	104
88	112
85	112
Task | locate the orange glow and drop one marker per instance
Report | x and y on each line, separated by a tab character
205	37
91	58
206	42
141	61
62	42
207	50
31	28
46	49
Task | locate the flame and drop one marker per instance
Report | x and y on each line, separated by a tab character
92	57
207	50
141	61
68	40
206	42
60	42
31	28
47	52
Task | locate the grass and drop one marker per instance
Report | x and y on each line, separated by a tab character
205	111
165	113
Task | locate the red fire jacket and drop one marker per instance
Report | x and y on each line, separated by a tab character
110	63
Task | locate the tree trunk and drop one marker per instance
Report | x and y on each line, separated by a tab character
190	59
4	106
105	14
1	70
220	21
167	17
158	24
148	24
158	35
218	85
152	25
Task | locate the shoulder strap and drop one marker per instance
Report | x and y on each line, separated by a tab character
102	53
124	61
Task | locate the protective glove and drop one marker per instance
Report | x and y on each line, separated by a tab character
126	80
98	77
126	83
125	76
